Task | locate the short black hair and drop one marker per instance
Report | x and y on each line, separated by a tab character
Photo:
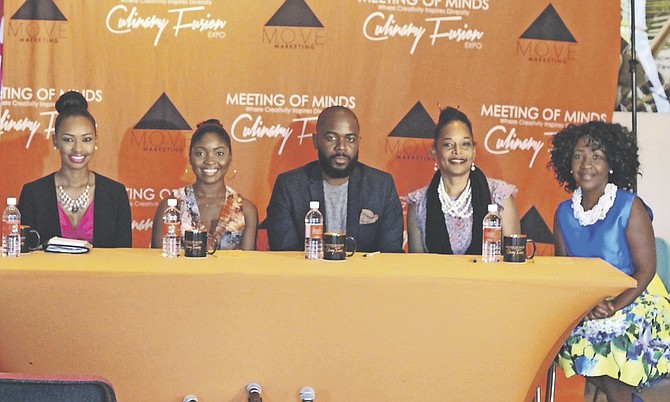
615	141
325	113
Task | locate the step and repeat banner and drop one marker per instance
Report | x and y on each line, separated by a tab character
152	69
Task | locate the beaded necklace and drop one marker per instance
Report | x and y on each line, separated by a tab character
461	207
74	205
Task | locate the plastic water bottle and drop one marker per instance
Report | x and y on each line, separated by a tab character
171	230
11	230
492	235
314	232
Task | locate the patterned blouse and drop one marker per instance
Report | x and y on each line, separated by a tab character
460	230
230	227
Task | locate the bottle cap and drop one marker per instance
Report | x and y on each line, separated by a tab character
172	202
493	207
307	394
11	201
254	388
314	205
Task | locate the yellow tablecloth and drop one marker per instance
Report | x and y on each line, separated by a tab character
381	328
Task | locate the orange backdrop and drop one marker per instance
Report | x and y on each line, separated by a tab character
152	69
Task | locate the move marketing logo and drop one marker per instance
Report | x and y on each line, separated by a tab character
38	21
412	137
534	226
548	40
294	26
160	129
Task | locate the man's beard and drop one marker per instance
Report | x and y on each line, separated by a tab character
327	167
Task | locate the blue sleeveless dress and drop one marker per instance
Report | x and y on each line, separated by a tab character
633	345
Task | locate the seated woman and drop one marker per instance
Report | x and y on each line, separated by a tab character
209	204
446	216
75	202
623	343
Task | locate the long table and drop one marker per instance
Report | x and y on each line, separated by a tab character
380	328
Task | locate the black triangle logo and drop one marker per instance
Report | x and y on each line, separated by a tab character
417	123
533	226
549	26
39	10
294	13
163	115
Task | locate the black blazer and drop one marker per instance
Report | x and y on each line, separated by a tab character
369	191
111	217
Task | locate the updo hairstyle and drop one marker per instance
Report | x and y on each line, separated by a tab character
210	126
72	103
449	115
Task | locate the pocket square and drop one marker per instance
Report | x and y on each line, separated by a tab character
367	217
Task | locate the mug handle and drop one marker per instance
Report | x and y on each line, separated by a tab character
353	251
215	242
530	257
39	240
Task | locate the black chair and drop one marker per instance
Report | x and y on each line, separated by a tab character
17	387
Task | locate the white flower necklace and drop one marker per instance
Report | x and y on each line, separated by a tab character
596	213
461	207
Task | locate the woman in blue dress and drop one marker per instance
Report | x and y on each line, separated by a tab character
622	345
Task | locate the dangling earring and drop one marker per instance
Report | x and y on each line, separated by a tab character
233	176
187	175
435	167
472	167
611	171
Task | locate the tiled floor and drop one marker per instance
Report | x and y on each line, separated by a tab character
659	393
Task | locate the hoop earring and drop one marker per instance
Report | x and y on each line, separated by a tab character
472	167
435	167
233	176
187	174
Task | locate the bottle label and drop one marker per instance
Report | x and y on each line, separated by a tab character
11	228
313	231
171	229
493	235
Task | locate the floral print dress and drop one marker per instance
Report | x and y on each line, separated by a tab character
230	227
632	346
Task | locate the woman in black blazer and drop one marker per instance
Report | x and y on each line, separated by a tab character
75	202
